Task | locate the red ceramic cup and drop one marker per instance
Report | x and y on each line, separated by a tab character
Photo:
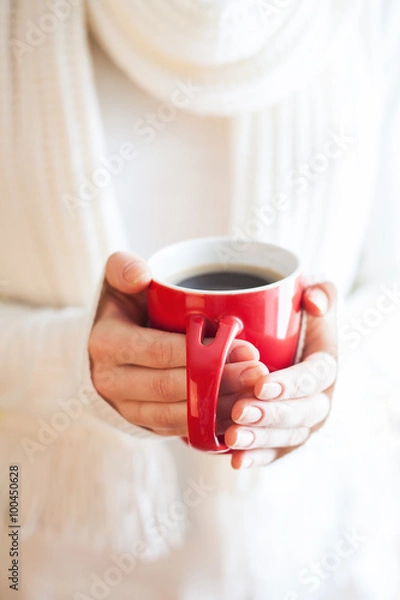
268	316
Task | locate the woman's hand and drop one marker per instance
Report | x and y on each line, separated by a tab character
141	371
289	405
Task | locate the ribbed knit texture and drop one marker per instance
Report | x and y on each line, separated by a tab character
51	142
65	145
319	72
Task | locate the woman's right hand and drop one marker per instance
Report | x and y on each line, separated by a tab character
141	371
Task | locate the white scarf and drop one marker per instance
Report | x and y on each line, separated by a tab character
51	119
239	55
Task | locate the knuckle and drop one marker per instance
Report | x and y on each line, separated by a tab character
305	384
263	438
102	343
99	341
318	372
162	386
129	413
292	438
128	351
166	418
275	415
324	406
304	434
103	380
327	405
161	353
297	436
312	411
324	367
136	413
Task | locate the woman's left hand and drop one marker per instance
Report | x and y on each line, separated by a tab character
290	404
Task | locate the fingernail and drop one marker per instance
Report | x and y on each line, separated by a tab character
320	299
250	414
244	438
269	391
246	462
250	376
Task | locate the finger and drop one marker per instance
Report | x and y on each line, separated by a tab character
168	385
169	418
243	459
237	377
127	273
241	351
313	375
240	437
147	385
129	343
321	335
321	331
302	412
118	342
319	299
180	432
226	403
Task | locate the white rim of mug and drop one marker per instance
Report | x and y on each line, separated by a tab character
223	239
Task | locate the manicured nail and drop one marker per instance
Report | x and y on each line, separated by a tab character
320	299
244	438
246	462
250	376
269	390
250	414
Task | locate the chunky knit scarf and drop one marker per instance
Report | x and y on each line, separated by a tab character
228	57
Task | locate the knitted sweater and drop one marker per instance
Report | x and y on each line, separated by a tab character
313	120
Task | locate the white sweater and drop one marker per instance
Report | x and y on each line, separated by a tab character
321	135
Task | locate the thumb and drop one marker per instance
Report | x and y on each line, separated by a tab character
127	273
319	302
319	299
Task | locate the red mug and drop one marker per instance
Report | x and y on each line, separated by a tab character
268	316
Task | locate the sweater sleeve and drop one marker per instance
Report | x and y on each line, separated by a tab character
45	364
86	473
371	315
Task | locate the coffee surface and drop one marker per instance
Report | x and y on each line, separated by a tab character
227	280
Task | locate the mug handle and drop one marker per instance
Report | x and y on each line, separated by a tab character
204	366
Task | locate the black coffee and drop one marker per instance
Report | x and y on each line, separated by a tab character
228	280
